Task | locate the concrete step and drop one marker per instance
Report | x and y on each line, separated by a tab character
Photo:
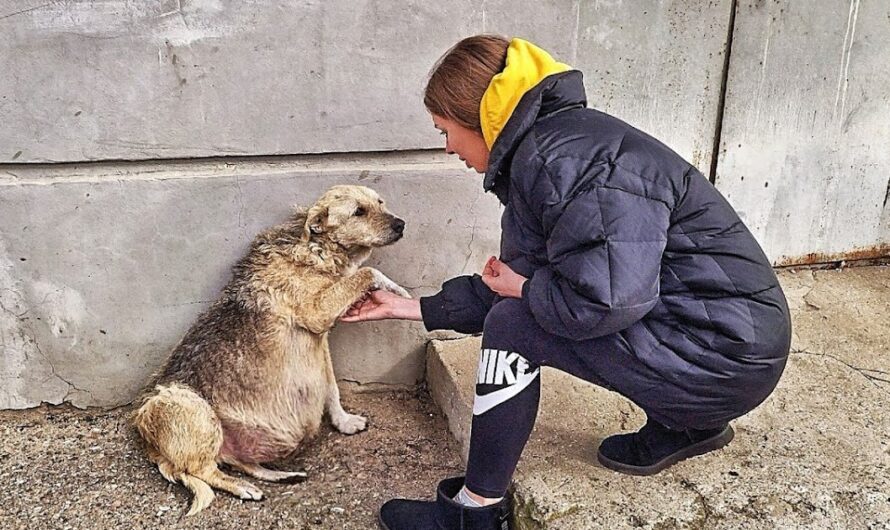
814	455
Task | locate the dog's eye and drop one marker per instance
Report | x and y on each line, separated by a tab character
360	212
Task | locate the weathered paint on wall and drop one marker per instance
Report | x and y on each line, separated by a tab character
805	151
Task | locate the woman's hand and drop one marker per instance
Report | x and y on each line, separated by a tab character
501	279
382	305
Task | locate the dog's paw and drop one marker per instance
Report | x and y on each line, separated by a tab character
351	423
382	281
247	491
399	290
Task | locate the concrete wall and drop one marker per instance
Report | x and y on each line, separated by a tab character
805	151
104	265
115	79
103	268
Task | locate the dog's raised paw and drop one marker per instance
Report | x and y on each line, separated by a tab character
351	423
399	290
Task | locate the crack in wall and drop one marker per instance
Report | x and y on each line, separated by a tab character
29	337
53	372
425	286
472	209
241	203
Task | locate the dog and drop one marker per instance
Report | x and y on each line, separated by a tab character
252	377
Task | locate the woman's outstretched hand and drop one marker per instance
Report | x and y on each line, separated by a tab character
501	279
382	305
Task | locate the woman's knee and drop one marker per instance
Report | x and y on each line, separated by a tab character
505	317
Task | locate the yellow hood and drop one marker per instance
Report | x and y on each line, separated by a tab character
527	65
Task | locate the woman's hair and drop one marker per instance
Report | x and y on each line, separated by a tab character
460	77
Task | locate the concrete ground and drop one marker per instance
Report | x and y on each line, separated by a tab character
816	454
64	468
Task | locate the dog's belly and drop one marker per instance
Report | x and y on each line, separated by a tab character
276	431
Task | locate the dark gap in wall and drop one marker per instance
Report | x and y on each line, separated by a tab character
721	104
234	159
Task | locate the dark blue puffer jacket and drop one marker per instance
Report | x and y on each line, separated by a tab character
618	234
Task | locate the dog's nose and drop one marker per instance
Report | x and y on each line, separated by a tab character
398	225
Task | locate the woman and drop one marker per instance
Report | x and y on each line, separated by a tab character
619	263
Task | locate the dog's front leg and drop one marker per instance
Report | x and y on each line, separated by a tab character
342	420
328	305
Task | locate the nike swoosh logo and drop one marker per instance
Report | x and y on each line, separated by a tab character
482	404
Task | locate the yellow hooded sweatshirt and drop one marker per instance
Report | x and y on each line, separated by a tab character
527	65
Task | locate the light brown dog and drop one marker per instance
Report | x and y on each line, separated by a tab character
252	378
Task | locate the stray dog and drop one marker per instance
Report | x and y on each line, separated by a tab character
253	377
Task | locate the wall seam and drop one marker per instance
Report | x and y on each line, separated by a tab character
721	103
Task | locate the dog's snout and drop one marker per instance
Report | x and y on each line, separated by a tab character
398	225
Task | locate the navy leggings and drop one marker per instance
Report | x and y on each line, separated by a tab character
508	386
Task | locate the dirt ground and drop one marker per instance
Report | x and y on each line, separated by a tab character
64	468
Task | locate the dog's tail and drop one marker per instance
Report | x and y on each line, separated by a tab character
203	494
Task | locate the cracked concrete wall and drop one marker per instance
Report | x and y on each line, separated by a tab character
103	268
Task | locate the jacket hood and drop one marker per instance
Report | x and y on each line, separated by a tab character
526	66
532	86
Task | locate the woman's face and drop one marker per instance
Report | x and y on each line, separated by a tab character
467	144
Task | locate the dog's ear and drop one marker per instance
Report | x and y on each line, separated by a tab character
316	221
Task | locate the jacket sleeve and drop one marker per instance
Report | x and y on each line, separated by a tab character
461	305
604	247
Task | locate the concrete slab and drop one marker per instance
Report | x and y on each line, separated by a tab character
135	80
640	61
173	79
659	66
816	454
104	267
807	113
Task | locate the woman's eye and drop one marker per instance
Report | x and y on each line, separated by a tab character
360	212
443	133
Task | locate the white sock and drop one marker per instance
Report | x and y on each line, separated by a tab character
463	498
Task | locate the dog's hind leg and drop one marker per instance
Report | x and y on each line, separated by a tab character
167	471
237	487
184	436
262	473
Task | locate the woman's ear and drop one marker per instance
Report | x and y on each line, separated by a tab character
316	219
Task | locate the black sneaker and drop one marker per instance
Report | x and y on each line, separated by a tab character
444	513
655	447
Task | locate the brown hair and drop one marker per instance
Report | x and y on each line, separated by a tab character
460	77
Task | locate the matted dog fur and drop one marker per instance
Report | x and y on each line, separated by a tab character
252	378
